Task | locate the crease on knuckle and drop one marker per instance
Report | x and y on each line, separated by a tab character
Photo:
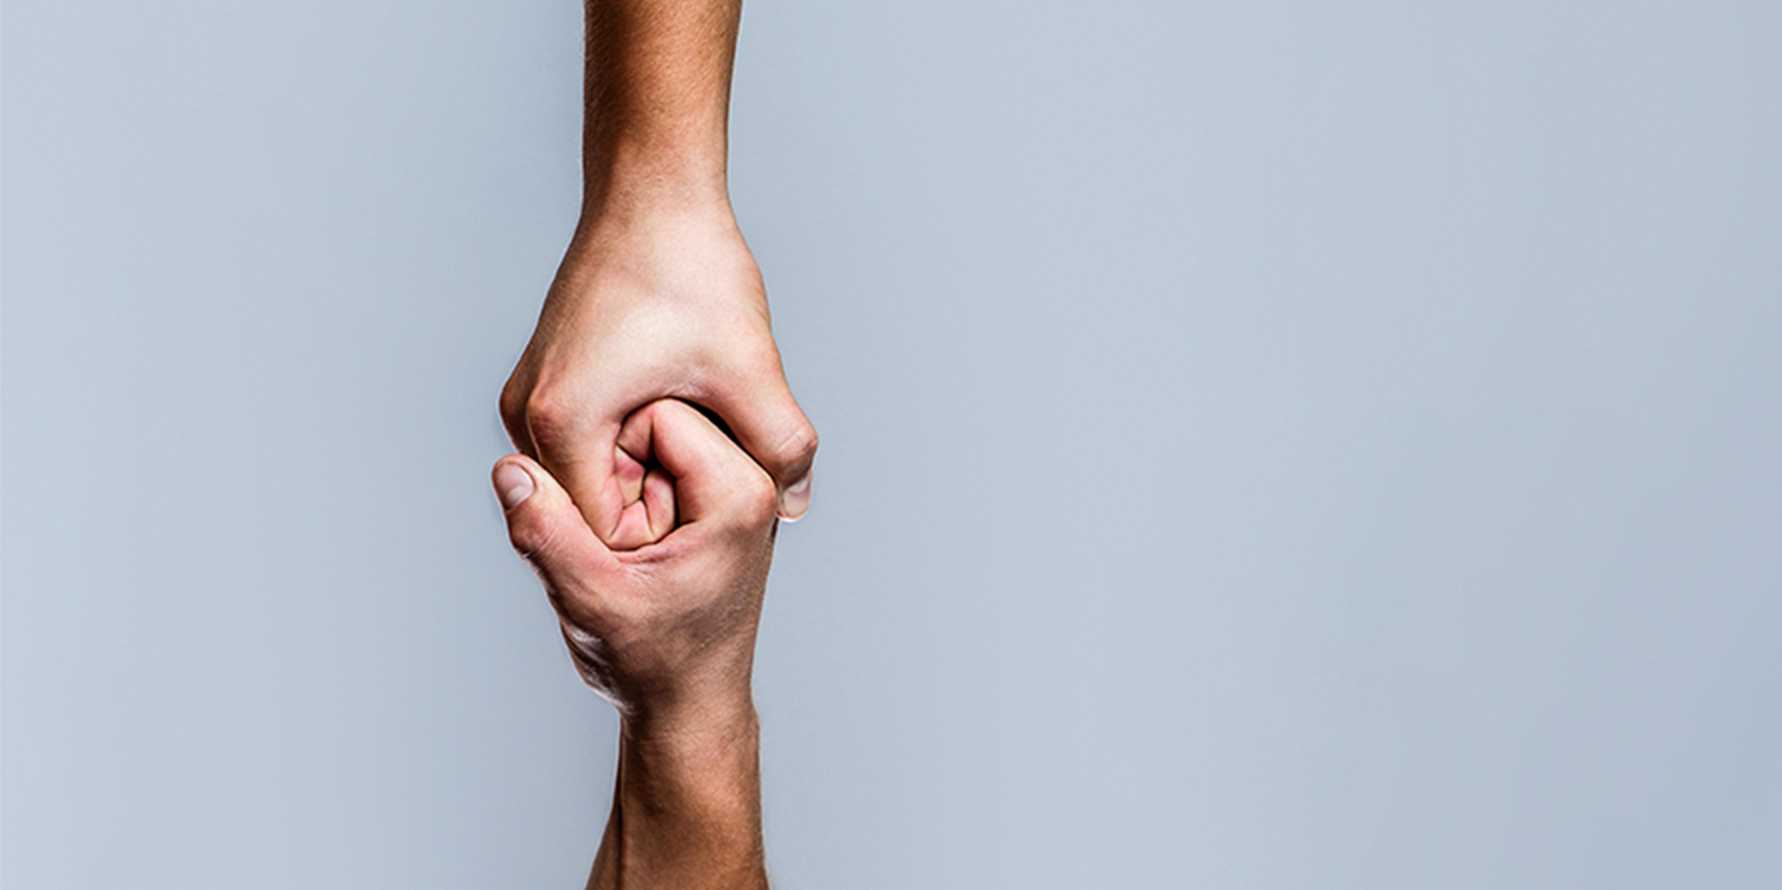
797	450
802	442
547	418
532	538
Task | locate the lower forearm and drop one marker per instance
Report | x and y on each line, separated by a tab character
686	809
657	97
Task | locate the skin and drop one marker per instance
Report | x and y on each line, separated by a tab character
658	295
652	529
666	631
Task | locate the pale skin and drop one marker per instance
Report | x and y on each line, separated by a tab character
652	529
658	295
666	631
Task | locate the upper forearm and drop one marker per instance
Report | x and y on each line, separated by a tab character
657	93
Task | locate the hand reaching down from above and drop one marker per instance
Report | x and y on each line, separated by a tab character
650	305
650	528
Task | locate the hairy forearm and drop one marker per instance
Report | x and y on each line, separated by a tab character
657	95
686	808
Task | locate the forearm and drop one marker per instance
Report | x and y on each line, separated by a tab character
658	294
657	102
687	806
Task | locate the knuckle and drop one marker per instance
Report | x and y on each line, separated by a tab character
793	455
548	416
530	537
801	443
758	500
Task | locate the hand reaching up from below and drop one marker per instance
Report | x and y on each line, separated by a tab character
666	631
666	626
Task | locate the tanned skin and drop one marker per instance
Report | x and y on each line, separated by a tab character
666	631
650	527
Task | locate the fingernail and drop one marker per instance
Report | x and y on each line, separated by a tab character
795	501
513	485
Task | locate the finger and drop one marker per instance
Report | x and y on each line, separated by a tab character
649	512
548	423
774	431
659	503
629	471
576	441
547	529
713	478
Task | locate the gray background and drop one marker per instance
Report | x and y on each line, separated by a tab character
1278	444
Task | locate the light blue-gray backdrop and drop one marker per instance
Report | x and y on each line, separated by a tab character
1280	444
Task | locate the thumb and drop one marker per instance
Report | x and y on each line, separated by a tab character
545	526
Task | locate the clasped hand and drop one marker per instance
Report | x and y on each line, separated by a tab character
667	304
666	628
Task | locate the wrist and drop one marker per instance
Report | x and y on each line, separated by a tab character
645	215
685	815
641	180
701	740
689	723
659	243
